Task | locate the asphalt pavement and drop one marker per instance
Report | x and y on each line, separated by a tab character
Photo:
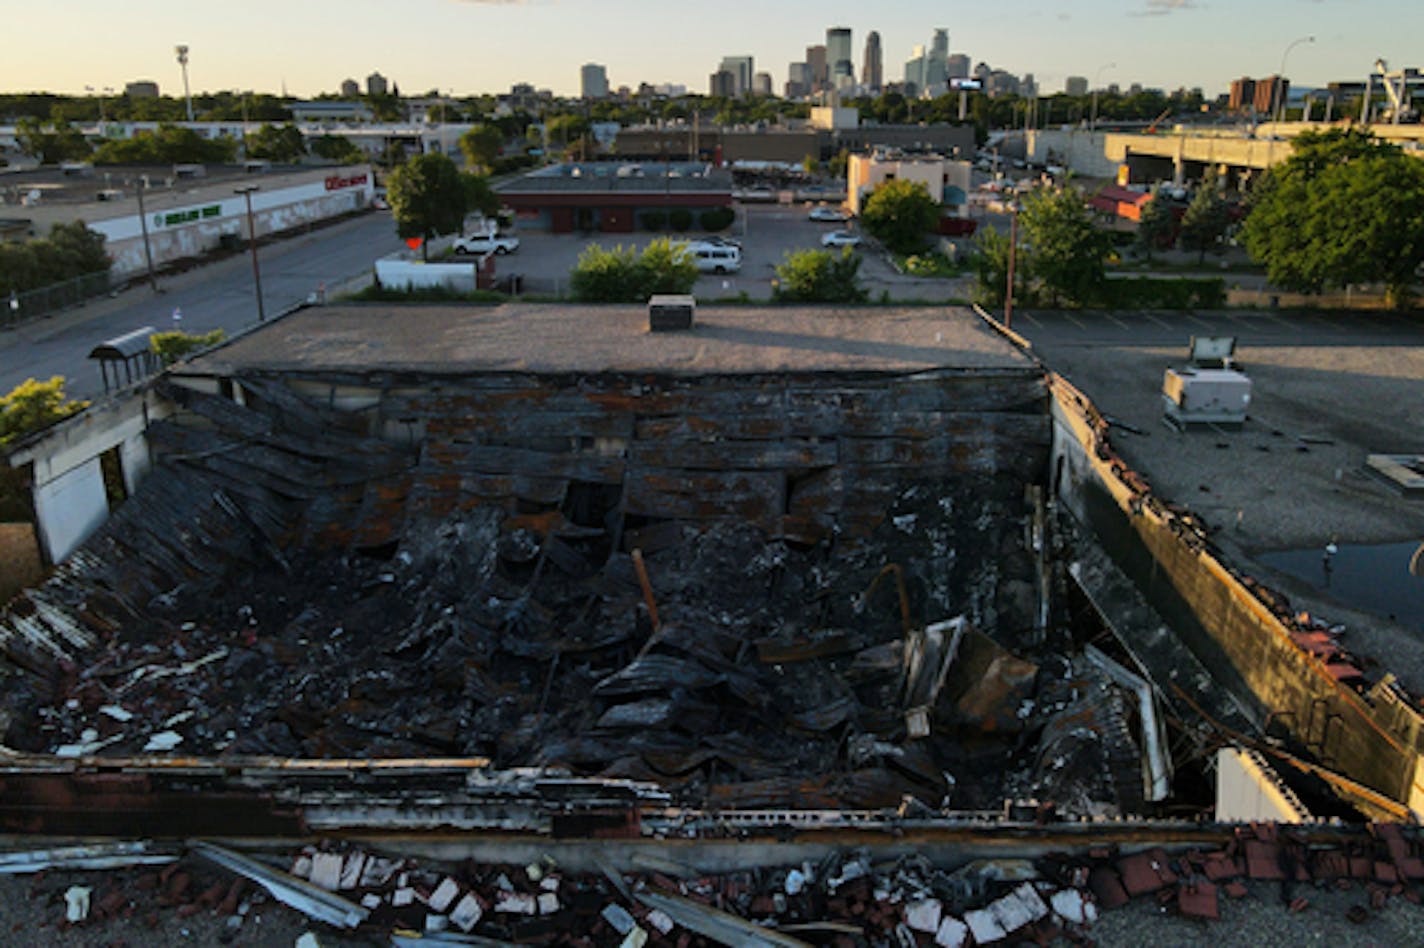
767	234
219	295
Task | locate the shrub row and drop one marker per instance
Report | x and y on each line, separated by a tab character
680	219
1159	293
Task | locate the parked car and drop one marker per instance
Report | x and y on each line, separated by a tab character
826	212
485	243
715	257
840	238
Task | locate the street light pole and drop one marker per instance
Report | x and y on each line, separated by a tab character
1278	106
246	192
101	107
1093	122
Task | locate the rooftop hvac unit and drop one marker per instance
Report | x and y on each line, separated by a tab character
669	313
1205	396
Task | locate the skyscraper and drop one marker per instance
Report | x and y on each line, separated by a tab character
959	66
838	44
915	72
798	81
816	60
593	81
1076	85
742	68
872	70
722	85
937	63
761	83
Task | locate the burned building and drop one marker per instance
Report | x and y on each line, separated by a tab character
539	570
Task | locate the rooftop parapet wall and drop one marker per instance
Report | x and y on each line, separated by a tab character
1298	684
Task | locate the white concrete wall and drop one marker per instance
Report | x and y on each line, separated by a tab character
1247	790
194	228
70	507
412	274
69	497
1080	151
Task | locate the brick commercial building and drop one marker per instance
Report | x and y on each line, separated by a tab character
613	198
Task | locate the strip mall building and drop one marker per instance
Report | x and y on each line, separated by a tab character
613	198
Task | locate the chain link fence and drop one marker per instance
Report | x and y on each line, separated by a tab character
32	304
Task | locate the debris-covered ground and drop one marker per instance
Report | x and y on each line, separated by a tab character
776	674
1266	886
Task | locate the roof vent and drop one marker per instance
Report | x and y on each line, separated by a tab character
670	313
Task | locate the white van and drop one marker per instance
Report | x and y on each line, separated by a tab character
716	258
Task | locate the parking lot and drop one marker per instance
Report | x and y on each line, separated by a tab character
767	233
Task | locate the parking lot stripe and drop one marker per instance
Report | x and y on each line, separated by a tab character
1075	321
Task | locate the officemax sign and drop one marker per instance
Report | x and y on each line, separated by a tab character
336	182
174	218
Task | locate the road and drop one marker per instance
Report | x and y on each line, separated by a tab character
219	295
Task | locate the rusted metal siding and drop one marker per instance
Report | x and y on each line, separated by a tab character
1238	627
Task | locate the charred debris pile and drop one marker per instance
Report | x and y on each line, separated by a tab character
757	591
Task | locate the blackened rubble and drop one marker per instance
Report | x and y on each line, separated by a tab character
466	585
865	897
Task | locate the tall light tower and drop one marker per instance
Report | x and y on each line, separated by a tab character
1279	101
182	51
1093	122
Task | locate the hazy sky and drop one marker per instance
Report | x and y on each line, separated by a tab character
468	46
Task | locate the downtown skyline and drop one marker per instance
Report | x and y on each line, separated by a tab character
484	46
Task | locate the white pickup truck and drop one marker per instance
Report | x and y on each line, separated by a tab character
485	243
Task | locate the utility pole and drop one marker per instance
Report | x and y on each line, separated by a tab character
246	192
1013	255
141	184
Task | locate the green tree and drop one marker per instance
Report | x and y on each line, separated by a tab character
819	276
168	144
900	214
482	145
565	131
1157	228
33	405
1345	208
79	249
70	250
667	267
606	276
991	267
51	142
337	148
172	346
1067	251
479	196
1207	218
428	198
280	143
622	275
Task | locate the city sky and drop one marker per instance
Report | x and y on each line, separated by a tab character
474	46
